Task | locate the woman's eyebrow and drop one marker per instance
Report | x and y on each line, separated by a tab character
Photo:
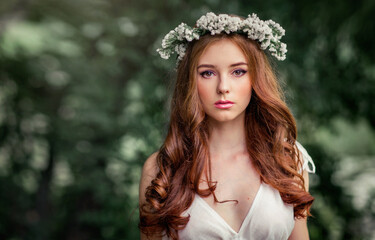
238	64
213	66
206	65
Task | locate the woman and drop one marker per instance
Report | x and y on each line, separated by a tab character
230	166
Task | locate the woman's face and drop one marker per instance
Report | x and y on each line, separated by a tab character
223	81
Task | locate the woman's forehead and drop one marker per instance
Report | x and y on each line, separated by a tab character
222	52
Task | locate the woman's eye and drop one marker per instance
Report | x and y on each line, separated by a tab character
239	72
207	74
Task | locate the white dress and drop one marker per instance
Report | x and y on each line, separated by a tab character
268	217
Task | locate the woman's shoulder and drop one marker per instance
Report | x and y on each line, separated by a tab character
150	165
149	172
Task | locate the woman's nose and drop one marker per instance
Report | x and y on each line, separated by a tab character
223	85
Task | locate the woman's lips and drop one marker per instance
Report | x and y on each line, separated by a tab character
223	104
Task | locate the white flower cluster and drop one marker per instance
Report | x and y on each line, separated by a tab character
267	33
176	41
217	24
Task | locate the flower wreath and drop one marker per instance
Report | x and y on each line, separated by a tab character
267	33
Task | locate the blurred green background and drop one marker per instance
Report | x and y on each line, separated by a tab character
84	101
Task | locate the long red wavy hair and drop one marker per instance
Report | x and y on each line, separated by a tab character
184	158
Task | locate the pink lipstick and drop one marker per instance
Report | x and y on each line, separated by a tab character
224	104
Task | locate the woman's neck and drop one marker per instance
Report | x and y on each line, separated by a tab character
227	138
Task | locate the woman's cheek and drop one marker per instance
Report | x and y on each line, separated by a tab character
245	92
204	94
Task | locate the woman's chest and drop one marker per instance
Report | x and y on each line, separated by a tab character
233	182
268	218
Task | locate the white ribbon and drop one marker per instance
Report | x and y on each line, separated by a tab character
306	159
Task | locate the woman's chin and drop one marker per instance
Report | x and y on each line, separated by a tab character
223	118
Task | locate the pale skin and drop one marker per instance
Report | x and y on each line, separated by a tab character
223	74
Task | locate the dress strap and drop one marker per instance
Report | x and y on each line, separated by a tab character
308	163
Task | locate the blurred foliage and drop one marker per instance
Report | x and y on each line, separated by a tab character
84	101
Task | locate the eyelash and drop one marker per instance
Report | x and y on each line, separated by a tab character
203	74
241	73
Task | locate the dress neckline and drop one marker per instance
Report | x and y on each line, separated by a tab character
247	217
